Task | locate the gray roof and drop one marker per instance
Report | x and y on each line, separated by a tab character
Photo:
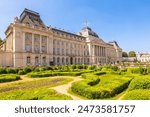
90	31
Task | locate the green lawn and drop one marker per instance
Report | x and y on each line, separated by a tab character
34	90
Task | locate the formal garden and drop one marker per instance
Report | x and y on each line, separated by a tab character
94	82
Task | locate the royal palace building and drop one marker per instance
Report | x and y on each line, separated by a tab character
30	42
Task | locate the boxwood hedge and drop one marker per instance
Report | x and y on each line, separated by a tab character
106	87
50	73
140	83
8	77
138	94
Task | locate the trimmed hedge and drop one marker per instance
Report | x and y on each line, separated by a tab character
138	94
103	88
8	77
84	89
3	70
137	70
47	74
27	69
140	83
99	73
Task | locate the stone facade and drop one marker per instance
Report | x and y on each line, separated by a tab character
30	42
143	57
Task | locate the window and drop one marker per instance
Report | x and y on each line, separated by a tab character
37	43
28	48
58	61
28	42
58	51
44	60
36	60
28	60
44	49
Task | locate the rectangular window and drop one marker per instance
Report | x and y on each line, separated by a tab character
28	60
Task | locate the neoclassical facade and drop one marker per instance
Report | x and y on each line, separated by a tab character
30	42
143	57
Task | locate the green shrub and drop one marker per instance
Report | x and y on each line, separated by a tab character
21	72
123	70
105	87
99	73
92	67
82	88
11	71
138	94
8	77
140	83
49	68
137	70
27	69
73	66
94	82
80	66
3	70
50	73
148	70
114	68
37	69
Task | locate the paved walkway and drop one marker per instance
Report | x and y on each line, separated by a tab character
63	89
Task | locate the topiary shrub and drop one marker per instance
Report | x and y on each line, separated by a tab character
27	69
73	66
80	66
92	67
21	72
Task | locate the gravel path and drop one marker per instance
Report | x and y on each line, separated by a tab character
63	89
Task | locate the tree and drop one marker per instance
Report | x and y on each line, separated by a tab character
132	54
124	54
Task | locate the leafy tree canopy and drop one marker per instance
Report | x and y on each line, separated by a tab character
124	54
132	54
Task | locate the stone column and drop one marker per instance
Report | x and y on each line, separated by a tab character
23	48
47	45
32	43
40	44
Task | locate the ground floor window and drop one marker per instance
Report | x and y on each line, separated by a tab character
36	60
44	60
28	60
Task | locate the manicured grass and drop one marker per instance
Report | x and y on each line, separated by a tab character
35	84
34	90
33	94
8	77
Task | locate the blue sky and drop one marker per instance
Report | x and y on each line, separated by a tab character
126	21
